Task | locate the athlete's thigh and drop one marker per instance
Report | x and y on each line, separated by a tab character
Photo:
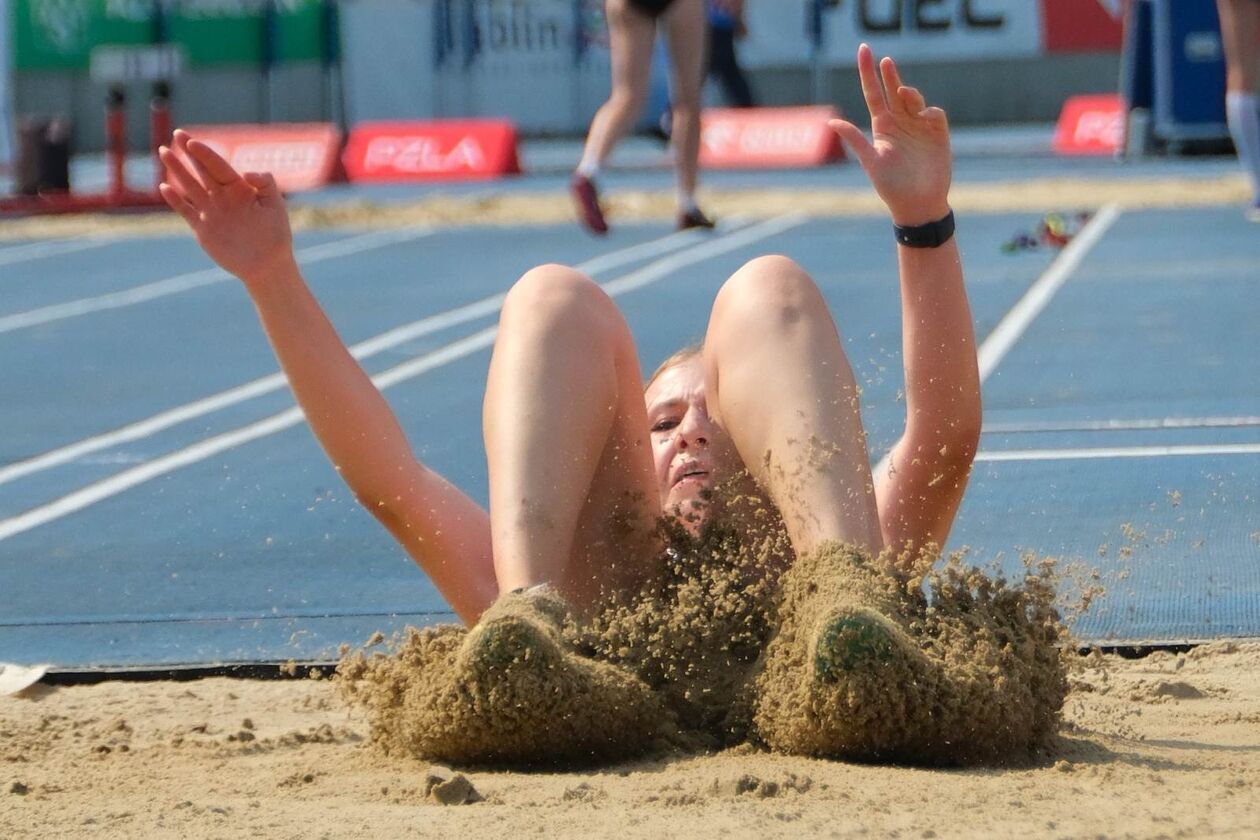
631	35
686	31
616	535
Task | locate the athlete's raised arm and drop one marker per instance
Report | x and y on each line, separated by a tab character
241	223
908	162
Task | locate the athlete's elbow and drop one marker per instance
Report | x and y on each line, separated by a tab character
963	425
379	505
950	441
964	443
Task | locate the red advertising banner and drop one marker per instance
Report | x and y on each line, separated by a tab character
1090	125
1082	25
301	156
431	150
768	137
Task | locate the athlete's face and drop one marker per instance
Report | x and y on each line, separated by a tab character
691	452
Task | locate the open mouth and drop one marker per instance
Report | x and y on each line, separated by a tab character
692	474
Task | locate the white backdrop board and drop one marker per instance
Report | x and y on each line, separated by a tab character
911	30
387	60
544	63
541	63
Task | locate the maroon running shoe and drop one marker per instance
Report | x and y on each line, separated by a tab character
586	197
694	219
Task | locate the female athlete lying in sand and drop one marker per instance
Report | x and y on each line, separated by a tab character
582	460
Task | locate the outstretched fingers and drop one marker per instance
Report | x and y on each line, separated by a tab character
892	85
912	99
262	181
196	177
176	201
265	187
854	139
178	175
872	88
936	115
214	170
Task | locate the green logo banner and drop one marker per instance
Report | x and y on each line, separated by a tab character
60	34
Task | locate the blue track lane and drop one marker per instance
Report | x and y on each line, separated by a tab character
259	552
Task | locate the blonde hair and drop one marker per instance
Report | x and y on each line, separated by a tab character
686	354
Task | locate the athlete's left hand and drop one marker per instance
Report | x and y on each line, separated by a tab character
908	161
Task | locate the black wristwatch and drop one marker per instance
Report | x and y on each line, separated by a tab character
931	235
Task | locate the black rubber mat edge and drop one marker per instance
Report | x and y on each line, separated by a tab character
324	669
187	673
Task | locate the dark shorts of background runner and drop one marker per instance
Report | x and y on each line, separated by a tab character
653	8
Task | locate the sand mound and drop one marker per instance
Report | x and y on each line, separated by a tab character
970	671
721	646
506	692
698	626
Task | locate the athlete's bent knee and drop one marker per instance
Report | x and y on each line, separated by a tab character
556	296
772	284
552	287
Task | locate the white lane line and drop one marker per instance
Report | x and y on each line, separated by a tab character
1117	452
1013	324
1008	331
194	279
365	349
1139	424
98	491
38	250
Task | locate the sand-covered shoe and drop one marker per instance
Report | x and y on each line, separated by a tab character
521	631
509	691
842	678
943	666
854	639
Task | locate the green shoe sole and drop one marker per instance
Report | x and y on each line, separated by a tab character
512	643
849	642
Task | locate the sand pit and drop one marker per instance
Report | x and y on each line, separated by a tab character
1163	746
687	716
1036	195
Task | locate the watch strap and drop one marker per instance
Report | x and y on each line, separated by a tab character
930	235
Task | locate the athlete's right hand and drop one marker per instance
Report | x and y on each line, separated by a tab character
239	220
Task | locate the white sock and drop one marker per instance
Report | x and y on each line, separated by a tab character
687	202
588	168
1244	127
